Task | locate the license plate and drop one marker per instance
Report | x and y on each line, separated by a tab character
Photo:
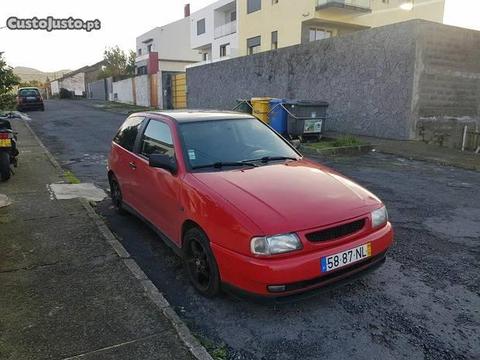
5	143
31	98
351	256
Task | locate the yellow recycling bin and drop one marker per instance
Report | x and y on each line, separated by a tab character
261	108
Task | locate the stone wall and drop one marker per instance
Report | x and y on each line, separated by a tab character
366	77
379	82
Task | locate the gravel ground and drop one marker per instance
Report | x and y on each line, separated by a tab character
424	303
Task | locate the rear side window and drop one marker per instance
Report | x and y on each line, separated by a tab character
157	139
28	92
127	134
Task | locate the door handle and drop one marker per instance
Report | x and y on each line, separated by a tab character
132	165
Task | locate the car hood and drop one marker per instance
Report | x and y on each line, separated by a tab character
292	196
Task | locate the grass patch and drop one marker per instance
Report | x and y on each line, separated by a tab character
217	352
347	140
112	105
70	177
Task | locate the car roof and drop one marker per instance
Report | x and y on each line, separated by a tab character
186	116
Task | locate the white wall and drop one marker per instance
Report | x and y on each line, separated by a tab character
122	91
54	87
207	42
172	42
75	83
142	90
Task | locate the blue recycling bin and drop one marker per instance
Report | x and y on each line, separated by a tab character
278	116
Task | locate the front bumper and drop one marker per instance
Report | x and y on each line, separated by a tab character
298	272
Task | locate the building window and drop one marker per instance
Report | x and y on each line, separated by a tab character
139	52
205	56
233	16
224	50
319	34
253	45
201	27
274	40
149	48
253	5
142	70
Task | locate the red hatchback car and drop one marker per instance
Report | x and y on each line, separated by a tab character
241	206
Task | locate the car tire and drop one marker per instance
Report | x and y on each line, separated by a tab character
200	263
42	108
5	170
116	194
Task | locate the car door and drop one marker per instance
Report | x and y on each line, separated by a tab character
122	158
158	190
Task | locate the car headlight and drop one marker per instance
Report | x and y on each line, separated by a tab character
272	245
379	217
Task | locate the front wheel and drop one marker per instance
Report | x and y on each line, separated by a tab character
5	170
200	263
116	194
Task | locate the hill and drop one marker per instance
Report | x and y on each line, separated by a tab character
29	74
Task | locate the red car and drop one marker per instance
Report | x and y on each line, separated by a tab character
241	206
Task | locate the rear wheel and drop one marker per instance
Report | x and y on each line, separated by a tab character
5	170
200	263
116	194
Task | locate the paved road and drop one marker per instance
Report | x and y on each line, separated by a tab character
424	303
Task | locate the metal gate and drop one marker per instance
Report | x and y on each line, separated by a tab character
179	91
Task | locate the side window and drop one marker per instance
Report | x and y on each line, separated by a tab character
157	139
127	134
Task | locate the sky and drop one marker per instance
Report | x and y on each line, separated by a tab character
121	24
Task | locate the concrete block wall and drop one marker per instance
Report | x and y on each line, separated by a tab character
449	76
123	91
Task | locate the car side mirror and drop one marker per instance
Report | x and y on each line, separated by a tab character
161	161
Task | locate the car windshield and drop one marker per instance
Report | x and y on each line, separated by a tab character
224	143
29	92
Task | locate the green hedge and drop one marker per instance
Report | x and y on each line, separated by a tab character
8	102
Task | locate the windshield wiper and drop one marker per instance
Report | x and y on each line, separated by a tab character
219	165
267	159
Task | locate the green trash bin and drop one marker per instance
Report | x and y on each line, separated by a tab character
244	106
306	119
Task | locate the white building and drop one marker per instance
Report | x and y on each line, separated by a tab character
213	31
171	43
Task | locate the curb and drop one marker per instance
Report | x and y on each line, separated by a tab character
192	344
343	150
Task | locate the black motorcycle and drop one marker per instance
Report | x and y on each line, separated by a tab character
8	147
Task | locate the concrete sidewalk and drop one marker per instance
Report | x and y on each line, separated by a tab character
67	287
417	150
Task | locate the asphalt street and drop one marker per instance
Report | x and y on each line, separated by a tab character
424	303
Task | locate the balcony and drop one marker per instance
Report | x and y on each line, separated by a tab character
225	29
143	57
344	7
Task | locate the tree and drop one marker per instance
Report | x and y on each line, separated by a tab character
118	64
7	78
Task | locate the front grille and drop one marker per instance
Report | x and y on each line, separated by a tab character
336	232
